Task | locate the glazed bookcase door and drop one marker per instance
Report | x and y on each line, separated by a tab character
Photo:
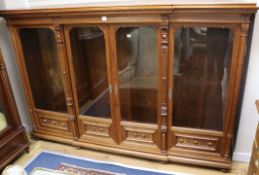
202	67
13	139
3	119
90	72
8	123
43	65
136	67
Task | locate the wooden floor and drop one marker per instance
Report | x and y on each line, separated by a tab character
37	146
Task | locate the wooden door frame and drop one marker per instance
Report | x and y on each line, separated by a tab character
37	129
104	29
233	89
161	30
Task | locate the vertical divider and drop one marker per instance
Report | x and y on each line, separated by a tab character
62	56
170	85
110	41
66	32
163	80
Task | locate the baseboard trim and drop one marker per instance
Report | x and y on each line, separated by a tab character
241	157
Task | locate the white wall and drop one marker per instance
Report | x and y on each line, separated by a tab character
15	4
2	4
12	70
36	3
249	117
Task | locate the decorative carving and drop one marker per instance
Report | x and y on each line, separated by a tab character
197	143
164	32
59	36
164	38
97	130
164	59
163	109
244	29
54	123
163	128
69	101
140	136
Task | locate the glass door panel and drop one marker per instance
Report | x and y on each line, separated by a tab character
137	69
90	68
41	60
201	71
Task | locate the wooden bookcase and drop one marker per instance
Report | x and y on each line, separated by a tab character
158	81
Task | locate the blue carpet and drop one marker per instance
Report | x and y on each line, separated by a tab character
52	160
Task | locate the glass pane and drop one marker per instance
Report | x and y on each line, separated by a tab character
3	122
41	59
89	60
201	70
137	66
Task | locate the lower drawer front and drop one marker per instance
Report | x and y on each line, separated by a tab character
54	124
191	139
199	143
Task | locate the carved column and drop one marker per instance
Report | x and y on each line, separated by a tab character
163	83
66	78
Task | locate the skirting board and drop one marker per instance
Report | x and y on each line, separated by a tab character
241	157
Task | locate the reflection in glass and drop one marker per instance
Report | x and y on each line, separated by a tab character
137	66
201	70
89	60
3	123
41	59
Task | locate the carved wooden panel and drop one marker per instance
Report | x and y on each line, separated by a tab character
140	136
208	144
94	126
97	130
52	123
144	133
